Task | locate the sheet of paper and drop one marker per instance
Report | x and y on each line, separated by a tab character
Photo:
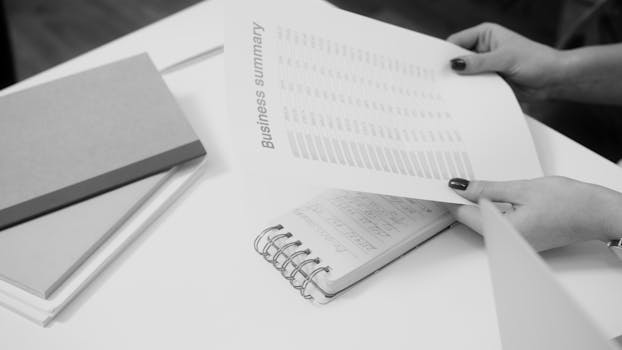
349	230
533	309
336	99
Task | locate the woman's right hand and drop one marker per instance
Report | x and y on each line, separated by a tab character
550	211
531	68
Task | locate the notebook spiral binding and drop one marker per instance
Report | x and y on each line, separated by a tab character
276	250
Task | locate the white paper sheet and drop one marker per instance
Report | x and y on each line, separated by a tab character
339	100
533	309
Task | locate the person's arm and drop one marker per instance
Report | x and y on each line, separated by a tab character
590	74
550	211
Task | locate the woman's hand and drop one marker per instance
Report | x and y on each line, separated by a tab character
550	211
531	68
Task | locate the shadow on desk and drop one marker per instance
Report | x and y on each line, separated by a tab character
582	256
443	250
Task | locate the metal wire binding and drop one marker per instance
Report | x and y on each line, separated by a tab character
298	268
290	260
305	284
262	234
272	243
281	251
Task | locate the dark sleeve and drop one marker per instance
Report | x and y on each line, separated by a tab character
7	72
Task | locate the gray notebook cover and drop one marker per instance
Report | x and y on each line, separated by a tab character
79	136
39	255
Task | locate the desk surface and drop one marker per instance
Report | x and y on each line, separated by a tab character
192	280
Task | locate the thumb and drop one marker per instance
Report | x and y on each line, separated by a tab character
481	63
508	191
468	215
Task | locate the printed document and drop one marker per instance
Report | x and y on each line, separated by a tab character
331	98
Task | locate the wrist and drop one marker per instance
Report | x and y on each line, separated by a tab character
610	219
560	74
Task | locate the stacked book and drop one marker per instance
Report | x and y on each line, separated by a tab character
87	162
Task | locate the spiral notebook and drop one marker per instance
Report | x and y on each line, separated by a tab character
340	237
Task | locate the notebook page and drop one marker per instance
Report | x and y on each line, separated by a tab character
335	99
352	230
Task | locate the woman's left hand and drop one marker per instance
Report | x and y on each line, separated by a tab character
550	212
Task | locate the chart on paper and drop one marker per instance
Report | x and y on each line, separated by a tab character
339	105
358	108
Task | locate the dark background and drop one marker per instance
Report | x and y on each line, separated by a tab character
42	33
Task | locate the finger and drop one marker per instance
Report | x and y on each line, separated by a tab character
507	191
469	38
468	215
482	63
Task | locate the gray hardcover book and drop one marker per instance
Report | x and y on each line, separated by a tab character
39	255
80	136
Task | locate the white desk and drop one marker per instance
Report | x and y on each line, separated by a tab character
192	281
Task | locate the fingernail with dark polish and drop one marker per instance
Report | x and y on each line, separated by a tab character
458	64
458	184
